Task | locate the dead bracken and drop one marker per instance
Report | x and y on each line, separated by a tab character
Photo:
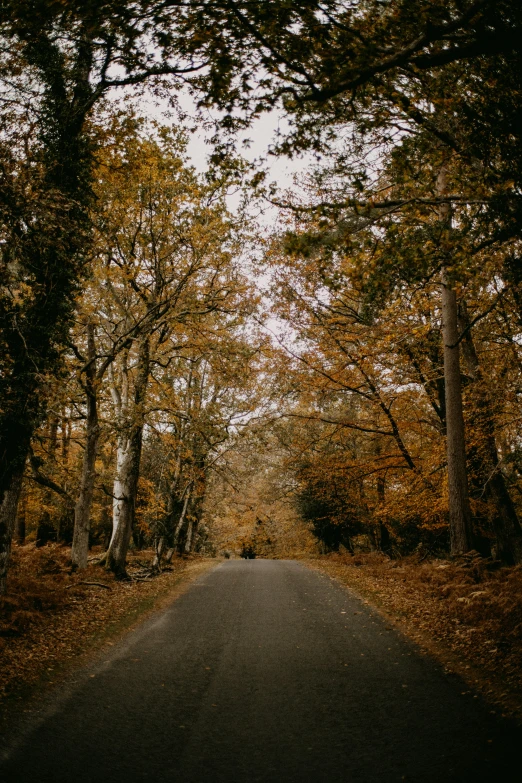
466	613
45	625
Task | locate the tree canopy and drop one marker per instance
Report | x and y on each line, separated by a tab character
168	361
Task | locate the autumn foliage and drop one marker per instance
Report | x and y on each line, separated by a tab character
204	362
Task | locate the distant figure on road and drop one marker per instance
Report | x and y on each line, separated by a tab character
248	552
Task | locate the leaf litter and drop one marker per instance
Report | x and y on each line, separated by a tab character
51	616
466	612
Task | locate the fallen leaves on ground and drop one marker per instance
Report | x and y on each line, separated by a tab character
51	616
467	612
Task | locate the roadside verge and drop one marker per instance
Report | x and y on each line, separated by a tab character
465	614
68	618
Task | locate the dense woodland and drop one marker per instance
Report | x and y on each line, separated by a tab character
208	362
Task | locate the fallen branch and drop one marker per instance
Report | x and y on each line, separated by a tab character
94	584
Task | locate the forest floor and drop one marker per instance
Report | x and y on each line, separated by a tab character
52	619
466	613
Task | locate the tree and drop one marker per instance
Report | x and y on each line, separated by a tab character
165	248
66	59
341	73
209	395
356	290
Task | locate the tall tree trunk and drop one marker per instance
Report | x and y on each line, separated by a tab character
82	510
461	538
506	524
181	520
384	543
188	535
384	538
459	509
128	470
165	526
194	519
198	498
191	537
7	522
20	521
197	506
47	529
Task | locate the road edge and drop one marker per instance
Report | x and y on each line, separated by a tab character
488	690
22	708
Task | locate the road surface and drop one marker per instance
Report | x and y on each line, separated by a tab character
264	671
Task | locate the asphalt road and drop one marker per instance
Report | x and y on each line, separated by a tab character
265	671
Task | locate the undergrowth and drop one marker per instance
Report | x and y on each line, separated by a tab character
467	611
40	583
51	615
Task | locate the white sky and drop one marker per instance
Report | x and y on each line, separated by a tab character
261	134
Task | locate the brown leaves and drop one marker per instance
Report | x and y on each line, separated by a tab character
44	624
467	613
